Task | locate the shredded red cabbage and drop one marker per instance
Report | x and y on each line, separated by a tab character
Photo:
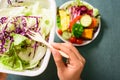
9	2
20	28
80	10
3	20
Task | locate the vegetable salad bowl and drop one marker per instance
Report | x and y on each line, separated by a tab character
78	22
19	54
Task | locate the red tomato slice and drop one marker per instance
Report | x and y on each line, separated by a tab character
72	40
59	31
79	41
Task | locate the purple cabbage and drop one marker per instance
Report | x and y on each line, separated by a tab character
9	2
80	10
3	20
20	28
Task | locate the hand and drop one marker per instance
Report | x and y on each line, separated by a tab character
75	64
3	76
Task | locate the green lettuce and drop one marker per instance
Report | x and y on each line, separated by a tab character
10	60
18	39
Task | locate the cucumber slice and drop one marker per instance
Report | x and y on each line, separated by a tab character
86	20
66	35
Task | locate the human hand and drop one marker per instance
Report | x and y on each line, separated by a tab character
75	64
3	76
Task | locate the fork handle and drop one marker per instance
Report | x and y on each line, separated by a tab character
61	52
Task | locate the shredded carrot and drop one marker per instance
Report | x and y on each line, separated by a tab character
74	21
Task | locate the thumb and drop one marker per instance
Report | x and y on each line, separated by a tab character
58	59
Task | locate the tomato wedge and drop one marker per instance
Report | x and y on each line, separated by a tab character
79	41
59	31
72	39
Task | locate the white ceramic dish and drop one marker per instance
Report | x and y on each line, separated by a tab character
43	65
87	41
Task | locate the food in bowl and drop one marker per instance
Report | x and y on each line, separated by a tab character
18	52
78	22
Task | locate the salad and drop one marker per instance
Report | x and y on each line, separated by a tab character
77	22
17	50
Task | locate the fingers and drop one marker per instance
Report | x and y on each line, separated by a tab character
75	51
70	50
74	64
67	50
58	59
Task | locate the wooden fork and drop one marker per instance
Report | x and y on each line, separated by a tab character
38	37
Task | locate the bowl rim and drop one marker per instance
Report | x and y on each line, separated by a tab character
85	42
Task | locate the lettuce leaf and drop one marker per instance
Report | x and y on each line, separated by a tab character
40	52
10	60
78	2
18	39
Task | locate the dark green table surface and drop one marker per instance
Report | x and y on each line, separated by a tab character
102	55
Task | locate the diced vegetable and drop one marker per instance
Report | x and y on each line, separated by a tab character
77	30
72	39
86	20
94	23
59	31
87	33
66	35
65	19
76	40
74	21
79	41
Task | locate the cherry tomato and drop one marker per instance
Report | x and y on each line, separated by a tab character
79	41
59	31
72	40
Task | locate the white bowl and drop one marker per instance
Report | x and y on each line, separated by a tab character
45	60
86	41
